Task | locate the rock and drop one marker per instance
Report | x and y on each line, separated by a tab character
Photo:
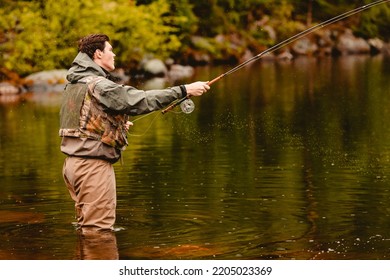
246	56
285	55
155	83
347	43
198	58
7	89
10	93
304	46
376	45
269	57
179	72
154	68
45	81
324	42
324	38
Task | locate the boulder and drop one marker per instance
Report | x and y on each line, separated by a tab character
154	83
304	46
376	45
45	81
347	43
179	72
285	55
324	42
8	89
154	68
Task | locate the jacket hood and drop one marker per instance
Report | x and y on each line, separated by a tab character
83	66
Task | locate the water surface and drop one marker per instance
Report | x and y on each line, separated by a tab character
286	160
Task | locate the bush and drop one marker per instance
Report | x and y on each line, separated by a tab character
40	35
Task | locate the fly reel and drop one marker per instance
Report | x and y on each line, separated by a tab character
187	106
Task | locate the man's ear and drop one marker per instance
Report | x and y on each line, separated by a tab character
98	54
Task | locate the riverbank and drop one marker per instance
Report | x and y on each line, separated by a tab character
334	41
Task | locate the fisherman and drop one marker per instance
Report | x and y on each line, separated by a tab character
94	120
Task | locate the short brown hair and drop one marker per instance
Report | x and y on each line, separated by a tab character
89	44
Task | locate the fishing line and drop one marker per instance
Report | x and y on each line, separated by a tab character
282	44
150	125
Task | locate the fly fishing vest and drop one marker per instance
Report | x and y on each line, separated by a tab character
82	116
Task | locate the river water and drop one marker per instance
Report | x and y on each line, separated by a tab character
280	160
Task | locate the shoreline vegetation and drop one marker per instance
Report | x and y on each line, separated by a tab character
166	38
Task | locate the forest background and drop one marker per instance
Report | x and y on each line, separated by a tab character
39	35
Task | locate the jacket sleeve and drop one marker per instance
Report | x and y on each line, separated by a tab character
129	100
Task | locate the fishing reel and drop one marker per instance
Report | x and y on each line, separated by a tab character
187	106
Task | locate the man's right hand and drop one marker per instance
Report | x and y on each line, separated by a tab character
197	88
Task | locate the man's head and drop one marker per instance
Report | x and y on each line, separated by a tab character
98	48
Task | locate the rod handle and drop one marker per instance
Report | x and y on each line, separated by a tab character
173	105
215	79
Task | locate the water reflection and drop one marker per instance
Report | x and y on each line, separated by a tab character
97	246
278	161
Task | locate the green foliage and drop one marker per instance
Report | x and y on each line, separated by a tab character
144	29
43	35
186	21
283	21
24	38
37	35
375	22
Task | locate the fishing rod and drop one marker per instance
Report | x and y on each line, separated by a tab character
188	106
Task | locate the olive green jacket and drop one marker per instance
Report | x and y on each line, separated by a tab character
113	100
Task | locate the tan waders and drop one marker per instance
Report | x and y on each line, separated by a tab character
91	184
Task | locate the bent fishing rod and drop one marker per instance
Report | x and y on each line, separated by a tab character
189	106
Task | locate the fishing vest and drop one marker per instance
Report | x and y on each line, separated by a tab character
82	116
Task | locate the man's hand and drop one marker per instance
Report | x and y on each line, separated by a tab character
197	88
128	124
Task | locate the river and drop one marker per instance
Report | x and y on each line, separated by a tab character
280	160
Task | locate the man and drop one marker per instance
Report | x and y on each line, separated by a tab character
94	124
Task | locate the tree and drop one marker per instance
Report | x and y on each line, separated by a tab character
38	35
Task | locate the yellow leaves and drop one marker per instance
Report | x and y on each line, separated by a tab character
42	35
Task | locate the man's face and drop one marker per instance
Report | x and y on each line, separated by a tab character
105	58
